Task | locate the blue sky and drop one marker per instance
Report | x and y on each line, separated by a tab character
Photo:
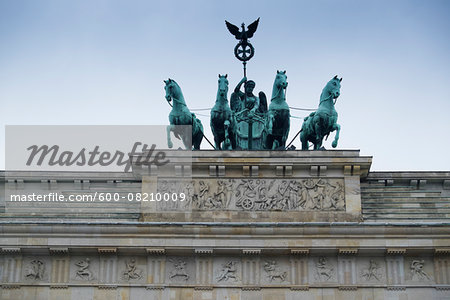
104	62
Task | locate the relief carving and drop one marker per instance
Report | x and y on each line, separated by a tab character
417	272
372	271
179	270
35	270
132	271
324	270
273	271
259	194
83	271
228	271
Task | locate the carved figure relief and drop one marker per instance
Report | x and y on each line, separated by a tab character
83	271
131	271
35	270
324	270
260	194
273	271
417	272
372	271
228	271
179	269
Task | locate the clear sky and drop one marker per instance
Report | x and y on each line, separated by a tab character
104	62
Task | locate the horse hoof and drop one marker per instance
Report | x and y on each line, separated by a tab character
170	145
334	144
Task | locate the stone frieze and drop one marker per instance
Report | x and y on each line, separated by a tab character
309	194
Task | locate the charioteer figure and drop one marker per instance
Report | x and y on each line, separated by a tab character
246	101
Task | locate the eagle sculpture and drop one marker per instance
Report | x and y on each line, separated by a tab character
244	34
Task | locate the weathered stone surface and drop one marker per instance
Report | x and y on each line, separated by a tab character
383	238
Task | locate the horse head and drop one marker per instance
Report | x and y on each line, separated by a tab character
281	80
173	90
279	85
333	88
223	86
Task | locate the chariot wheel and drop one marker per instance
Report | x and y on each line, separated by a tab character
247	204
244	51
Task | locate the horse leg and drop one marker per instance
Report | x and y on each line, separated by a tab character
336	127
269	141
319	136
217	142
276	144
197	140
169	128
304	140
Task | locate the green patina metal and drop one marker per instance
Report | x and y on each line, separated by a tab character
278	121
223	124
251	116
243	51
323	121
181	115
247	123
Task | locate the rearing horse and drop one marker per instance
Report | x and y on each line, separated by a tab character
180	115
279	115
324	120
222	120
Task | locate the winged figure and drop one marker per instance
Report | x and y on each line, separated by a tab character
242	34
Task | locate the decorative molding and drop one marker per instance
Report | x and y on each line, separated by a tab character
11	286
348	287
155	287
107	287
107	250
203	288
11	250
203	251
251	288
246	171
395	251
59	286
58	251
251	251
314	171
300	251
348	251
442	251
347	170
155	251
396	288
300	288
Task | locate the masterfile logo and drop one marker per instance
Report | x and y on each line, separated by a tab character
87	148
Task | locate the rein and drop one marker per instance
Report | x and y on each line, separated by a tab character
175	99
279	91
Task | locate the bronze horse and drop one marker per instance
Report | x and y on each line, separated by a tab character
278	122
222	120
323	121
181	115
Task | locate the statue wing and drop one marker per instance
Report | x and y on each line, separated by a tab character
252	28
262	102
234	30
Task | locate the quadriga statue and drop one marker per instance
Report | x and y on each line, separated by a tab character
323	121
